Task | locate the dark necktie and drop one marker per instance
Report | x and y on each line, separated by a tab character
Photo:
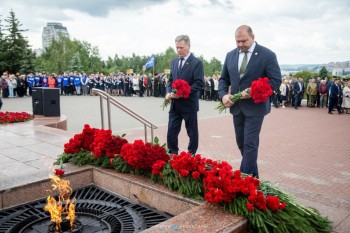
180	65
243	65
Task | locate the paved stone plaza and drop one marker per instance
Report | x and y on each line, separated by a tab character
305	151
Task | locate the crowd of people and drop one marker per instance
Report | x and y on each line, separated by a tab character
318	92
73	83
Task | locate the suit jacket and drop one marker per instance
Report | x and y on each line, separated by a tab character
334	91
296	88
262	63
192	72
211	84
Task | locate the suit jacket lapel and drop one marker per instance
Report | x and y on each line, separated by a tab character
177	71
235	61
253	57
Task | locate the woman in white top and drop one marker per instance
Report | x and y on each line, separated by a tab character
346	97
12	83
135	84
284	89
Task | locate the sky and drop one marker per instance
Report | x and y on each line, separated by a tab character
298	31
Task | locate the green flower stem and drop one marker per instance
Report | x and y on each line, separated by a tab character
234	98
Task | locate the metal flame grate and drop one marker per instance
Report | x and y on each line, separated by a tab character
98	210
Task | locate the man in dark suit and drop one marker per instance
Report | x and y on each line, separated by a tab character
334	95
190	69
149	85
211	80
248	62
298	89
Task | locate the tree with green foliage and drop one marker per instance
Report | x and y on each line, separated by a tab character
2	49
305	75
57	58
323	72
17	56
75	63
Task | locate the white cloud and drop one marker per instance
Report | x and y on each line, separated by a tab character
314	31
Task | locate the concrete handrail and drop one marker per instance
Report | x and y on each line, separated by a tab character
116	103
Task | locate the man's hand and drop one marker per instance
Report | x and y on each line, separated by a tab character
226	100
168	96
171	95
174	96
245	95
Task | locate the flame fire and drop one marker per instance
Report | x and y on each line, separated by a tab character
57	208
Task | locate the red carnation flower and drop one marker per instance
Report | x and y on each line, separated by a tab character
260	90
196	175
273	203
184	172
58	172
180	88
158	167
250	206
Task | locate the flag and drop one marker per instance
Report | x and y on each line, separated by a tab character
150	62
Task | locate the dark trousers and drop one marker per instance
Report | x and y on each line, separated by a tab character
275	101
297	100
247	129
333	102
174	127
149	91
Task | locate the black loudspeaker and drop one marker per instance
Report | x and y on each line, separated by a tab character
37	100
51	102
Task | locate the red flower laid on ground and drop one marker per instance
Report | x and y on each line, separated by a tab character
107	144
186	164
58	172
100	141
221	185
142	155
13	117
157	167
197	177
179	87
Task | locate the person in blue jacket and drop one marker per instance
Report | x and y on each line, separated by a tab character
71	83
66	84
30	82
77	84
334	96
59	82
37	80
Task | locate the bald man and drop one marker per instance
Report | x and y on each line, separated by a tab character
246	63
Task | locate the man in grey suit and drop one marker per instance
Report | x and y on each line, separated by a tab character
190	69
248	62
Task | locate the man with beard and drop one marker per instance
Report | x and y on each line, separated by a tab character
243	65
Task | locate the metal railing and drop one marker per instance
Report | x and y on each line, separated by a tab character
111	100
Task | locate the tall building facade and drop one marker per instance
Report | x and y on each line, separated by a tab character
52	31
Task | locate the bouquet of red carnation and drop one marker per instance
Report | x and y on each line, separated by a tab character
142	155
259	91
179	87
